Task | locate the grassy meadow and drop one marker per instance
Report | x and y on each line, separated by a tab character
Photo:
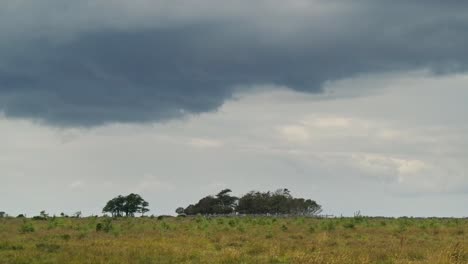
233	240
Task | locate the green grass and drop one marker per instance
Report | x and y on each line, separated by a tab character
233	240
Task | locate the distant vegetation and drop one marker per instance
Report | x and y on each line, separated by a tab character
280	202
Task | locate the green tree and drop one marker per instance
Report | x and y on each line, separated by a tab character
222	203
115	206
128	205
279	202
226	202
180	210
43	214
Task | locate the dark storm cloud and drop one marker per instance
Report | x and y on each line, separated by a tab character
73	71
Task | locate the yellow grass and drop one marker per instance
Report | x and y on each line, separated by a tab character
233	240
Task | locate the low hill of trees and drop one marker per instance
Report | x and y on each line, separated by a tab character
279	202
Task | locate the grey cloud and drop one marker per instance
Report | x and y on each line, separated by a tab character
155	60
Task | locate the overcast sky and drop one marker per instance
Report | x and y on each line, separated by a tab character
359	105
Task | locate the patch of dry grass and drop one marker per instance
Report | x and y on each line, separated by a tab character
233	240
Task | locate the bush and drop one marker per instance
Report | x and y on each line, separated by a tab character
232	223
106	226
27	228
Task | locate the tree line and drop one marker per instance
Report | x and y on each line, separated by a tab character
279	202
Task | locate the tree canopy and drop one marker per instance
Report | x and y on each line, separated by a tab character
279	202
128	205
222	203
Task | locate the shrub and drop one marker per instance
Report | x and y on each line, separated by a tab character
232	223
27	228
106	226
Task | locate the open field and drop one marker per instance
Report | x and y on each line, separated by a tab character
233	240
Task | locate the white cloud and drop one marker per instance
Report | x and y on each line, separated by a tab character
389	166
205	143
332	122
294	133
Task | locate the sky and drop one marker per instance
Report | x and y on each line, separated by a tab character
359	105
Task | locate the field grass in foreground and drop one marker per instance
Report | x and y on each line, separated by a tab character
233	240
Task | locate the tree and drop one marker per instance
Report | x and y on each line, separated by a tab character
43	214
227	202
77	214
2	214
180	210
128	205
222	203
279	202
115	206
255	203
144	208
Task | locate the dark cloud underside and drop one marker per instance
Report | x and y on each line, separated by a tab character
152	72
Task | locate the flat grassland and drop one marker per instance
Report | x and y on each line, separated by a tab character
233	240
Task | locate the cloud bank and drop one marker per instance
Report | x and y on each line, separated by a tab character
87	63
